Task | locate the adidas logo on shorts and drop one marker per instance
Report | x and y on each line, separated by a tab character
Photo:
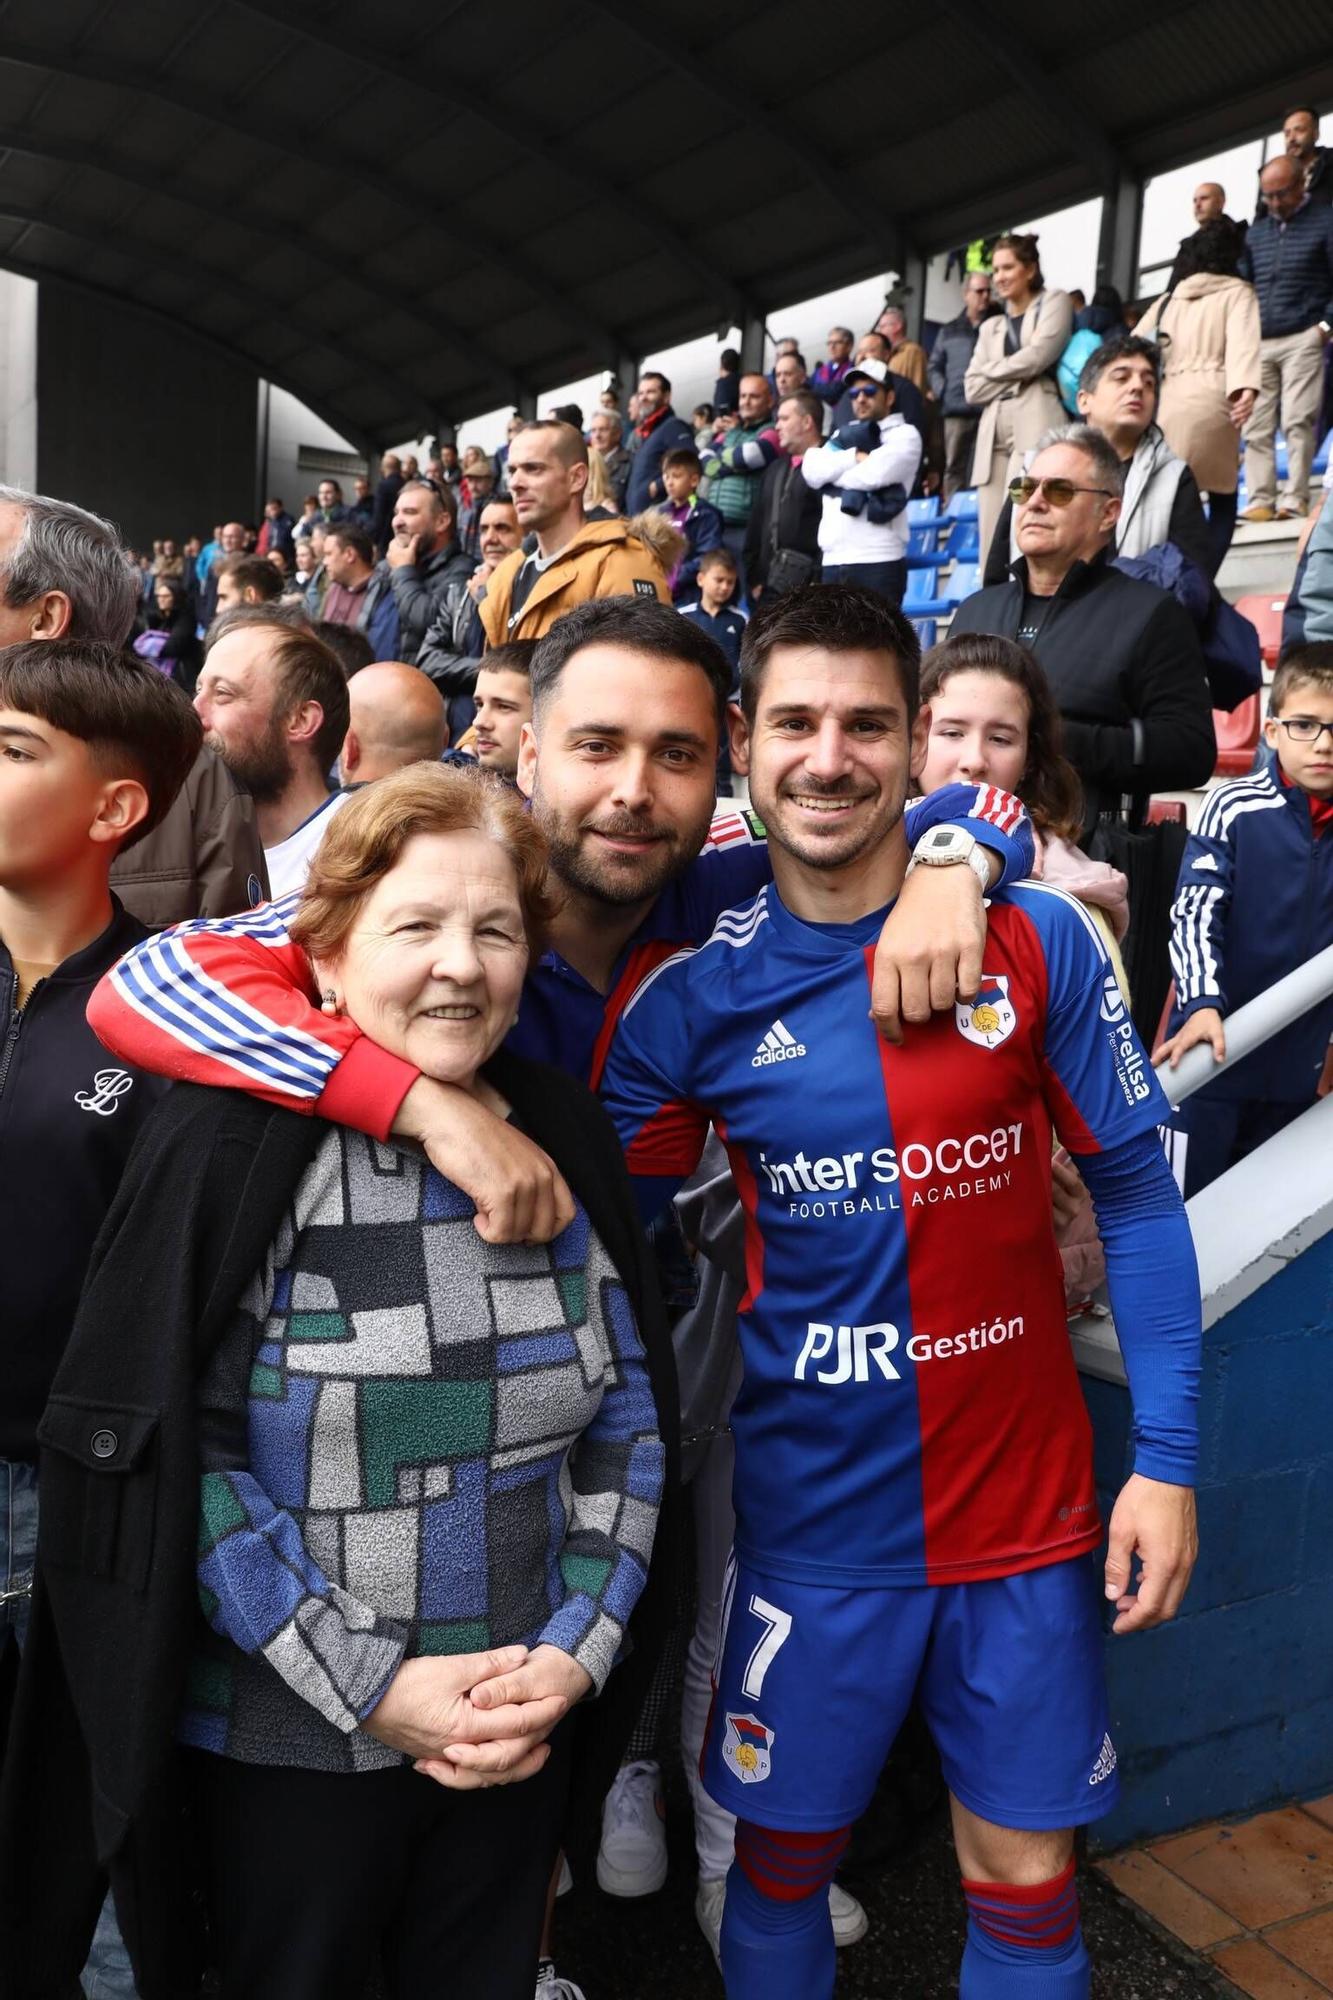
1106	1762
777	1047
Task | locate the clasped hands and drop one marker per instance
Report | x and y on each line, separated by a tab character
473	1720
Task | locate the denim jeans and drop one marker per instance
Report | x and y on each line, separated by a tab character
107	1975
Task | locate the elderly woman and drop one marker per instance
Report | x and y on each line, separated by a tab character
425	1467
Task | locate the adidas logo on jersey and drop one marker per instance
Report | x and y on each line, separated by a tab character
777	1046
1106	1762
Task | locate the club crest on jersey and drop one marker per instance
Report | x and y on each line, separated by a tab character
990	1018
748	1748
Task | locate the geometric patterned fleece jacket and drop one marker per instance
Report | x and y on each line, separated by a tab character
412	1441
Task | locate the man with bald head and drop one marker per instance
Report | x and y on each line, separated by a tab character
232	543
1288	258
397	718
736	461
1210	201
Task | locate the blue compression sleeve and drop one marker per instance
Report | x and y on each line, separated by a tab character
1153	1279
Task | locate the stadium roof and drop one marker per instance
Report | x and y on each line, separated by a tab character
413	216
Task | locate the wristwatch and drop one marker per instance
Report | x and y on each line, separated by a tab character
946	847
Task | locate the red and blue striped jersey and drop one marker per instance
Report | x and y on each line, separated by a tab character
910	1410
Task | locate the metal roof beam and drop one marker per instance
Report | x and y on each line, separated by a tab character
553	155
305	142
1009	52
207	277
203	198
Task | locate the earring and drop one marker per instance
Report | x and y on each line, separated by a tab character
329	1002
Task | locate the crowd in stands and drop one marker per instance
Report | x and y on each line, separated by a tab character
368	1442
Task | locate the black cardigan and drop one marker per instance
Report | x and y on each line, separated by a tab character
114	1601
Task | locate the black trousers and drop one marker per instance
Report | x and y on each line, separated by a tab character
316	1878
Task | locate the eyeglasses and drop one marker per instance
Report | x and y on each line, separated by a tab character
864	389
1060	492
1303	728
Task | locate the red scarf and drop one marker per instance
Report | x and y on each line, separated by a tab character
1321	810
649	424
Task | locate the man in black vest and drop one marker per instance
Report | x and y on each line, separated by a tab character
784	521
1122	657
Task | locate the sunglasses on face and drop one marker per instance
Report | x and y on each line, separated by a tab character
1059	492
867	389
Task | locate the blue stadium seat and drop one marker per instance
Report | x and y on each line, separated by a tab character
919	512
964	505
965	541
923	550
1321	456
925	631
963	581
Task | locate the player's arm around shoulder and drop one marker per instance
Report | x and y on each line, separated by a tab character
648	1081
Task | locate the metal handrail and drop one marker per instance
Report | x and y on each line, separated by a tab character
1253	1024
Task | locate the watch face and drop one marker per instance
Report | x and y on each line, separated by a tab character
942	837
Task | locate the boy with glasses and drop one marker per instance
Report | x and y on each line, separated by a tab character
1254	901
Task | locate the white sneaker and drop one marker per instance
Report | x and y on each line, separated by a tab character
850	1922
550	1986
632	1859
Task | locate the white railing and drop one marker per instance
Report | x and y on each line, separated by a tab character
1271	1205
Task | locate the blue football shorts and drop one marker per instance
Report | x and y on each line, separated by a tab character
812	1686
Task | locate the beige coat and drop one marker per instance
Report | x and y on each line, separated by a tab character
1026	380
1212	349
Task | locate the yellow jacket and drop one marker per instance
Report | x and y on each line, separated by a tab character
605	559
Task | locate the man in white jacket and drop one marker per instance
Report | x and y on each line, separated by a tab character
866	471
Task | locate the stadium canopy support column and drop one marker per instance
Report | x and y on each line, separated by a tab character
753	330
626	377
527	403
912	283
1118	242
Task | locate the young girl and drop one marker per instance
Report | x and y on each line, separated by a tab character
993	721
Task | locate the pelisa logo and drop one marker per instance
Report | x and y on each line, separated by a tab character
109	1086
1113	1000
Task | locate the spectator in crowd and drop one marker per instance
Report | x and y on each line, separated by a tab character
231	542
450	469
97	748
703	422
276	530
789	373
782	539
329	495
514	425
1314	576
726	389
1012	374
282	563
1288	258
1122	657
63	575
456	637
475	488
425	561
1209	202
1105	314
567	413
908	401
412	468
697	520
273	702
1254	901
245	580
1207	333
170	640
1078	298
574	559
319	576
351	647
203	562
950	359
599	495
168	561
865	472
1300	138
389	486
658	431
745	445
503	697
712	606
362	510
304	561
606	438
396	717
906	357
829	378
359	592
328	1725
1117	395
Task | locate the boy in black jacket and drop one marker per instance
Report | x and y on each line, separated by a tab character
94	746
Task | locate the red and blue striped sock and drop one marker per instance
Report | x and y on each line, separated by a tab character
1024	1941
777	1935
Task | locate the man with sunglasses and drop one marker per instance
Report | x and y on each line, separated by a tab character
1122	657
865	472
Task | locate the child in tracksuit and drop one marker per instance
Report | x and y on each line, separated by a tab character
1254	900
698	520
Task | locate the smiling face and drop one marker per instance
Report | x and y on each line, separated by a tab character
433	966
829	752
619	763
978	733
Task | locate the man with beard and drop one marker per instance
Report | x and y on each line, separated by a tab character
915	1501
273	702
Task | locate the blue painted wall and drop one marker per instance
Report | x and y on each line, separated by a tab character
1230	1707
